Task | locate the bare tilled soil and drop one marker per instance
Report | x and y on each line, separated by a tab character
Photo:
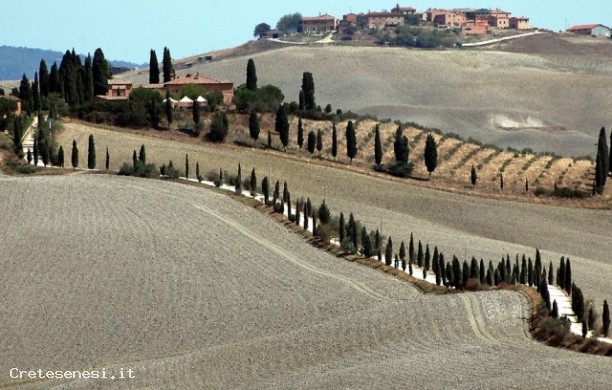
457	224
553	100
192	290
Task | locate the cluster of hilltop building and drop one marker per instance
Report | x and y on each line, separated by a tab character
469	20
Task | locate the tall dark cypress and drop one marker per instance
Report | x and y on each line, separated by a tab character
334	141
254	126
168	70
400	146
168	108
36	93
389	252
101	73
411	252
351	141
88	90
60	157
308	88
282	125
420	255
43	75
431	154
107	160
300	133
187	166
153	68
75	155
54	79
605	317
251	76
601	162
91	153
341	228
378	152
319	140
561	273
568	275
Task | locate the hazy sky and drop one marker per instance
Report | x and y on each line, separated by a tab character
128	29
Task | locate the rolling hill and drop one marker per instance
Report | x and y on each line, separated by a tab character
544	100
190	289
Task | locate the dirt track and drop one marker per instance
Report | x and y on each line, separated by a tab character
193	290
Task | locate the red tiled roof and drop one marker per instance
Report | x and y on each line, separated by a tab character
197	79
320	17
11	97
584	27
407	9
384	14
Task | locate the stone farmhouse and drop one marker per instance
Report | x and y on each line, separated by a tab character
319	24
120	89
595	30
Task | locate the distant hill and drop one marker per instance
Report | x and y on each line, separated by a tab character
15	61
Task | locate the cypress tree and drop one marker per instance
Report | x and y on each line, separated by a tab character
490	275
186	167
167	68
585	330
36	93
334	141
483	272
221	178
168	108
341	228
473	176
591	318
450	282
265	188
601	162
378	152
107	160
195	114
474	270
400	146
465	274
427	257
364	233
302	100
297	212
300	134
431	154
312	139
526	185
605	317
282	125
402	251
43	74
254	126
276	194
561	274
198	176
91	153
568	276
36	151
253	182
308	88
75	155
411	249
501	181
324	214
550	273
319	140
351	141
54	79
251	76
389	251
153	68
60	156
457	274
523	274
420	255
530	278
306	214
555	310
135	159
29	156
442	268
377	239
238	184
285	191
101	73
142	156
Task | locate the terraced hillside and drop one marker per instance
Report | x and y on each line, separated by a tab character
190	289
463	225
548	102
